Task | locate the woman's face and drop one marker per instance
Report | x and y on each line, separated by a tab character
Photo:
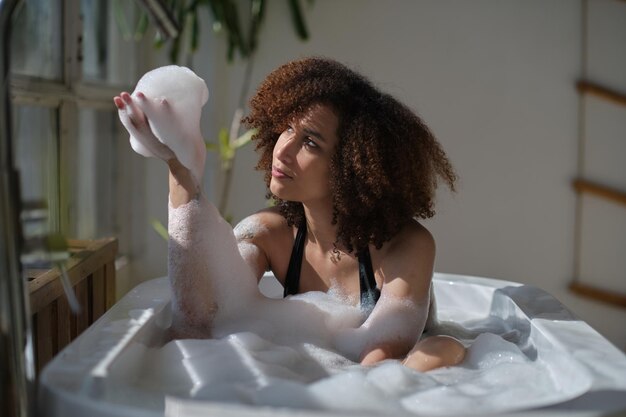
302	155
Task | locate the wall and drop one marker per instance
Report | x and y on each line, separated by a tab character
495	82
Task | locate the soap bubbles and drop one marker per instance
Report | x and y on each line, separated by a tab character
176	121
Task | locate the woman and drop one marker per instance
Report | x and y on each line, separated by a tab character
350	169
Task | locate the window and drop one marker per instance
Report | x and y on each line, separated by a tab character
68	59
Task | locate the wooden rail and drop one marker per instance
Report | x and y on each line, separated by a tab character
586	290
602	191
91	271
599	294
588	87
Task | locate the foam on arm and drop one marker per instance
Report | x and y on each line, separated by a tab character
246	233
395	323
207	273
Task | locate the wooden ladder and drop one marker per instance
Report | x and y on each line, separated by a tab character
583	186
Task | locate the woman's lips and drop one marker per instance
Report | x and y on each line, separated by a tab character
277	173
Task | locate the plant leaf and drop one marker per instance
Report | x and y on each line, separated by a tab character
120	19
194	5
230	53
234	31
159	228
142	26
244	139
175	50
298	20
159	40
195	30
226	150
257	13
217	10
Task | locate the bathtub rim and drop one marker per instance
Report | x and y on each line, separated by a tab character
63	400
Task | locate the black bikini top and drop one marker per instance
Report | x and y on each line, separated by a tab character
369	293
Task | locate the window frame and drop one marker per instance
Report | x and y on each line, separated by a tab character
67	96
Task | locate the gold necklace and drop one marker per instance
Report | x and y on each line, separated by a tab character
335	255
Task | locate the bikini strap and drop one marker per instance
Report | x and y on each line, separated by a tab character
292	280
367	281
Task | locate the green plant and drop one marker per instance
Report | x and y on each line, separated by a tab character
226	20
227	148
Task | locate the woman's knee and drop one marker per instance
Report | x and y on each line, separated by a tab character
435	352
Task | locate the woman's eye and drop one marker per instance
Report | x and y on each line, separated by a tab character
309	143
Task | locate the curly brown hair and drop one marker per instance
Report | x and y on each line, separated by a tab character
387	163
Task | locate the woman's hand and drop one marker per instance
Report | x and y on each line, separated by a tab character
138	115
143	140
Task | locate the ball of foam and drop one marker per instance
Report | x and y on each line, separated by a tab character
186	93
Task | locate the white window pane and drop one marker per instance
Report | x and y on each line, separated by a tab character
36	44
96	198
36	156
109	49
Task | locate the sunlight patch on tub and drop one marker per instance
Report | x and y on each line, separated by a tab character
130	327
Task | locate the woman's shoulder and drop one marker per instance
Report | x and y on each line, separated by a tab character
413	239
411	252
267	223
268	230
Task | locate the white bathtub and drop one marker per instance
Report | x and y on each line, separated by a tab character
91	376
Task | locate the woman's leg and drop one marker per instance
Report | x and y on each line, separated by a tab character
206	270
435	352
193	303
